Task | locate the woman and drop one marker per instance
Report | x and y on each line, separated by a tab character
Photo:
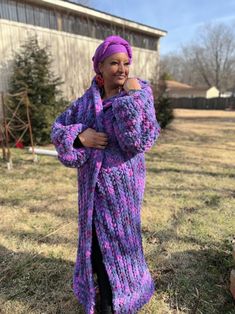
104	134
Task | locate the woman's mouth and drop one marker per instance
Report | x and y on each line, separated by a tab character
121	76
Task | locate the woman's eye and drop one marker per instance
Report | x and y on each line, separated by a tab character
116	63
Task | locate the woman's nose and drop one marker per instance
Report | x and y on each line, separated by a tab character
121	67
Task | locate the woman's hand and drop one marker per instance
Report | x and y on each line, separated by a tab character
130	84
91	138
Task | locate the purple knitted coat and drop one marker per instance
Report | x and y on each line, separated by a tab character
111	182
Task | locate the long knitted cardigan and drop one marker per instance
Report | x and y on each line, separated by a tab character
111	183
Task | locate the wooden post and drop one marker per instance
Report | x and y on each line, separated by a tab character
2	135
30	127
5	125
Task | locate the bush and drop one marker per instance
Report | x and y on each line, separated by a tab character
164	111
163	108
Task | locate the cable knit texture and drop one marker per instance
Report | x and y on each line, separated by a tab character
111	186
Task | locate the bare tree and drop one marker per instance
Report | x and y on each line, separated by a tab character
171	65
214	54
209	60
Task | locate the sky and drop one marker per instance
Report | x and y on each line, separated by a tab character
180	18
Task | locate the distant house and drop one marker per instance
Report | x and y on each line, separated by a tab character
227	94
176	89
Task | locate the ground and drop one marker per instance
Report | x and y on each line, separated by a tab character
187	223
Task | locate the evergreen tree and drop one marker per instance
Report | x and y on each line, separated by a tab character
31	73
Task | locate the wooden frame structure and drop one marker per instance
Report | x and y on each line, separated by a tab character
11	122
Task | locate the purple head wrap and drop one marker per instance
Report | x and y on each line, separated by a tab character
111	44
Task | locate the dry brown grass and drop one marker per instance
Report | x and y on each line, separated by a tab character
187	223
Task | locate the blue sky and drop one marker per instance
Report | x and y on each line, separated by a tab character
179	18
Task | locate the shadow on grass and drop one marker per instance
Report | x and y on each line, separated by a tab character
218	192
195	281
173	160
39	238
42	283
69	213
184	171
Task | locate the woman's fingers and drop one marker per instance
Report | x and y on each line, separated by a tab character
91	138
102	135
100	146
101	142
131	83
101	139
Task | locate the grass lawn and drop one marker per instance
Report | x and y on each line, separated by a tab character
187	223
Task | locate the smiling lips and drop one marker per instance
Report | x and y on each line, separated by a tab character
121	76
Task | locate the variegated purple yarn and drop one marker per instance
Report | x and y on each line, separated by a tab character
111	187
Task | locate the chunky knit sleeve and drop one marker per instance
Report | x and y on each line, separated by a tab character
135	123
64	132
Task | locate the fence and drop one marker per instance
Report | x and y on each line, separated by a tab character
204	103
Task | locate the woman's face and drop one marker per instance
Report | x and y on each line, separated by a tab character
115	69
